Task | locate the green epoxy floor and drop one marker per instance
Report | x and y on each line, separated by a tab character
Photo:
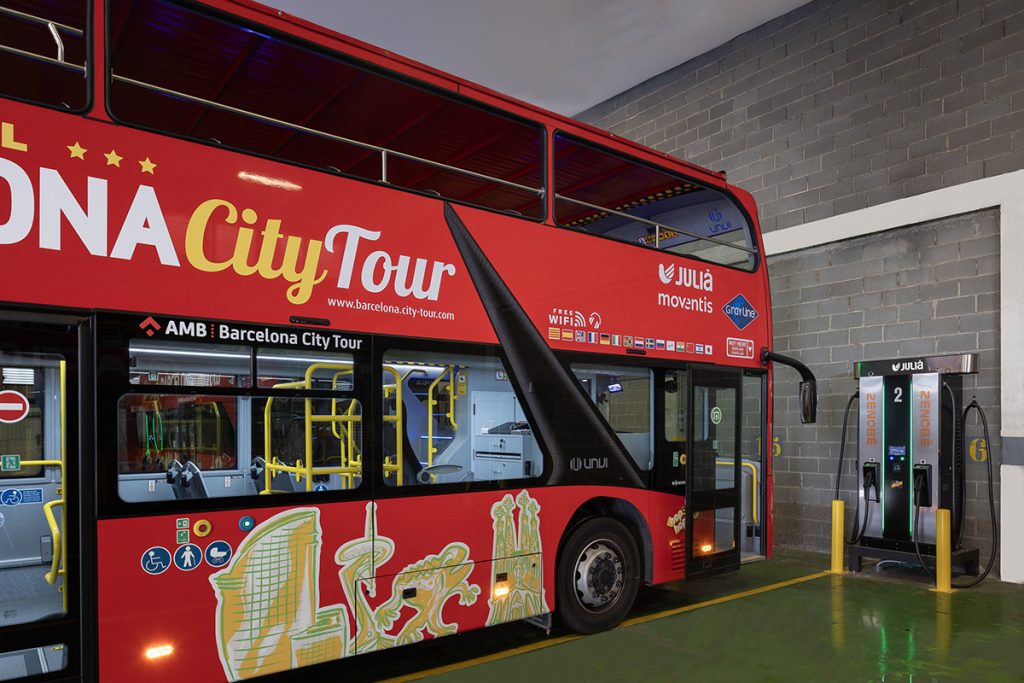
866	627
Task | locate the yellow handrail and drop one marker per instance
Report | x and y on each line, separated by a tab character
396	467
269	461
430	415
58	542
63	469
303	469
452	397
753	488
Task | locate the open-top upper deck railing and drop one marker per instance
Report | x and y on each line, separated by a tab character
384	152
55	30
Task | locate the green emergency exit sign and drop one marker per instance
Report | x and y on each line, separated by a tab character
10	463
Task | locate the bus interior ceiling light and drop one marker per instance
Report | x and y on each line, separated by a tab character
299	359
19	376
194	354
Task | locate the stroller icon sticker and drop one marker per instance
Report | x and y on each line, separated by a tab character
218	553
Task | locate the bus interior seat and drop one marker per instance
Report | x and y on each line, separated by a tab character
187	480
282	482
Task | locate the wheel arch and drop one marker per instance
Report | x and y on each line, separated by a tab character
625	513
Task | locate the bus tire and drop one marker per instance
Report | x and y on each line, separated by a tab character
598	574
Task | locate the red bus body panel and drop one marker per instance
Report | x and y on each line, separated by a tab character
168	241
456	540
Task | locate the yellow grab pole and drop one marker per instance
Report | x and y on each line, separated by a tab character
943	557
838	521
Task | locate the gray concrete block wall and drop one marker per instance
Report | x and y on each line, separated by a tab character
926	289
843	104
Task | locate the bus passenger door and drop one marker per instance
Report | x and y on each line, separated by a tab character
713	471
39	613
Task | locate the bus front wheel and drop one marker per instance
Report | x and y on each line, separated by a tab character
597	575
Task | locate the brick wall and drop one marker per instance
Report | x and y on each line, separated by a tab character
927	289
837	106
843	104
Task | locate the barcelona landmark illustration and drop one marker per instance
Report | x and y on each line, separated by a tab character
269	616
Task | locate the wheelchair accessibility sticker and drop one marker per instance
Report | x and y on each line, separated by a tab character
156	560
21	496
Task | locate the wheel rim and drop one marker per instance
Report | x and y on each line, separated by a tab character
600	575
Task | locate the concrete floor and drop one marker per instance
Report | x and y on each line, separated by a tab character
866	627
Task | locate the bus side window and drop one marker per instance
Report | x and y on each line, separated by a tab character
451	418
298	429
623	397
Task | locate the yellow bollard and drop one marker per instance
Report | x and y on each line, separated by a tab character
943	556
838	522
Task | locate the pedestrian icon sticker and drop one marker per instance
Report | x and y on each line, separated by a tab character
218	553
156	560
188	557
320	488
10	463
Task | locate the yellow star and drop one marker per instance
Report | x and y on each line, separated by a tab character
77	151
147	166
113	159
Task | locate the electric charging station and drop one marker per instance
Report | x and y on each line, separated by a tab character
910	459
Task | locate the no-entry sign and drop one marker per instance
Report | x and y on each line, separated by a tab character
13	406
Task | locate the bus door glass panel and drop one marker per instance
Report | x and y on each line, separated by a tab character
670	469
36	579
309	438
713	469
752	466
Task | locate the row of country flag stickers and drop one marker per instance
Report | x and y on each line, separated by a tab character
627	341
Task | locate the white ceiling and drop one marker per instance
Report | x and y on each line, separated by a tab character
564	55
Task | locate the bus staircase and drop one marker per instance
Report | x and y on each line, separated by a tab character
426	410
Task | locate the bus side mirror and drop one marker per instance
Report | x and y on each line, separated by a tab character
808	384
808	401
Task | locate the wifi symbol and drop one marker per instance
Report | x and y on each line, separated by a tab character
150	326
578	320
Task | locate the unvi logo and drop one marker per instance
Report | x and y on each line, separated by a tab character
740	312
667	273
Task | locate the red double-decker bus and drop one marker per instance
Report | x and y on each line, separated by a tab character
309	350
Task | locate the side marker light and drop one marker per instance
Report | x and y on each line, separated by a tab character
159	651
501	590
706	548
